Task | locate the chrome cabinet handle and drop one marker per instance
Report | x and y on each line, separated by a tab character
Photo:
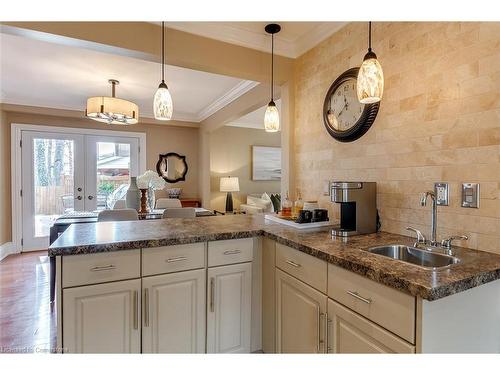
103	268
356	295
177	259
320	315
328	321
231	252
136	312
90	197
79	197
146	307
292	263
212	294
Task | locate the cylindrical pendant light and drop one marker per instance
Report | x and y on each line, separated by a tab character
370	86
272	116
112	110
162	103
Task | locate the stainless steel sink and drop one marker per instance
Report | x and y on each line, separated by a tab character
419	257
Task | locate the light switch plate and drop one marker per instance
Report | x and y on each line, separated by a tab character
442	193
470	195
326	187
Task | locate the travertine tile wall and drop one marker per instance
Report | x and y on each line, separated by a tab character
439	120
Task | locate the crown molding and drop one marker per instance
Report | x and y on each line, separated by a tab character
307	41
238	90
238	36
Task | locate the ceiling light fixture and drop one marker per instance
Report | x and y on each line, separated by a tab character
272	116
162	102
112	110
370	86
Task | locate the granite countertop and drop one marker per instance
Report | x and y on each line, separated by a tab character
476	268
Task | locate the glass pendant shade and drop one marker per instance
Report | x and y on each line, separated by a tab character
272	118
162	103
370	85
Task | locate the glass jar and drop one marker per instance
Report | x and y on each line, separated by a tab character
286	207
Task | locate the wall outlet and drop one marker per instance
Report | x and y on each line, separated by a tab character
470	195
442	193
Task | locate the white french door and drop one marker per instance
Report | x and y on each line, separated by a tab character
67	172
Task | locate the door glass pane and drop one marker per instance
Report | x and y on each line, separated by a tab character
53	169
113	172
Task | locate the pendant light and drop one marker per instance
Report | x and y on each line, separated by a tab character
370	84
112	110
272	116
162	102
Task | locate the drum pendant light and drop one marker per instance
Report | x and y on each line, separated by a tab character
112	110
272	116
370	86
162	103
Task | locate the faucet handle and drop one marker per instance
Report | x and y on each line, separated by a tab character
447	242
420	236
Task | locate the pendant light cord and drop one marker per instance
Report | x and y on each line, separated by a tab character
272	67
162	51
369	36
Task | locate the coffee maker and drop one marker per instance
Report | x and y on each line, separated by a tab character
358	209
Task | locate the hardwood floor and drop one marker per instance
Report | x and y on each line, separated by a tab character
27	319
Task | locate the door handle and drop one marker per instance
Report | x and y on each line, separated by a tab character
356	295
212	294
136	308
103	268
146	307
327	333
231	252
292	263
90	197
320	315
79	197
177	259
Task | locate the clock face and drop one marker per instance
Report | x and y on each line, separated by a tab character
344	108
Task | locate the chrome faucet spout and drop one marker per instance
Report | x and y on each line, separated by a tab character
423	202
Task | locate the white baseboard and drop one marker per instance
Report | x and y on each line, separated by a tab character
7	249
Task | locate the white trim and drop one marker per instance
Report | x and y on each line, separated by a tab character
233	94
233	34
16	173
7	249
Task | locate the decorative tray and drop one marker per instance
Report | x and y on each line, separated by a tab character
289	221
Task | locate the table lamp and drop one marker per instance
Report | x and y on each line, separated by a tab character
228	185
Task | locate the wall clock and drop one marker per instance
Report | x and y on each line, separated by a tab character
345	118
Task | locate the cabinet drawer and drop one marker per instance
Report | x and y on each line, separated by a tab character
304	267
350	333
230	251
99	268
167	259
388	307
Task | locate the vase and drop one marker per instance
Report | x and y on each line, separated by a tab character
144	201
151	199
132	196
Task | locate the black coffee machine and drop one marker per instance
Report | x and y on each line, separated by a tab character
358	208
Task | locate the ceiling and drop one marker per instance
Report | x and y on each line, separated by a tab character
293	40
37	73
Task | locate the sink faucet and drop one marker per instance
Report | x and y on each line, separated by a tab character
423	202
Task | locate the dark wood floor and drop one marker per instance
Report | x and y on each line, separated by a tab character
27	320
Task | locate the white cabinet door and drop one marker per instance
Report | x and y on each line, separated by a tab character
174	313
102	318
229	308
300	316
350	333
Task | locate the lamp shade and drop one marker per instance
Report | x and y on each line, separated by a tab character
112	110
162	103
229	184
272	118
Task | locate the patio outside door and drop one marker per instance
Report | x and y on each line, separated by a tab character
63	173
